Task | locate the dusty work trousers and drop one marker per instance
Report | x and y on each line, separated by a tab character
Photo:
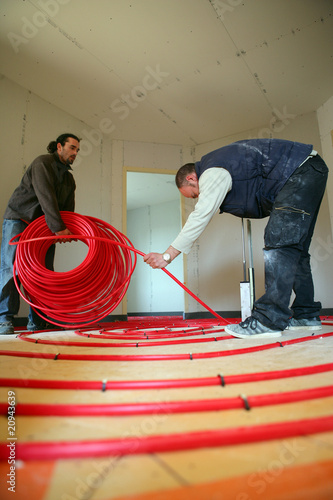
287	240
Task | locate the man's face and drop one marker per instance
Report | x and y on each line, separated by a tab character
68	152
191	188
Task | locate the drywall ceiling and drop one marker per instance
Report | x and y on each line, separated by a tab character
172	71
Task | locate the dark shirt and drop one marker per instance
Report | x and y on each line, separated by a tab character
46	188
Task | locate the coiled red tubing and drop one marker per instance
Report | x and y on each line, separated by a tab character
85	294
89	292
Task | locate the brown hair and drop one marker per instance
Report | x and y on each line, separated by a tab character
63	138
182	173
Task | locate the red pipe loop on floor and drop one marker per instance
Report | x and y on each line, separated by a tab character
166	408
145	334
162	357
54	450
104	385
148	343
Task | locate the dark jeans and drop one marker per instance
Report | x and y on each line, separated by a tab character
288	236
9	296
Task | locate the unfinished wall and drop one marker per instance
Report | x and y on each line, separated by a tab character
325	120
214	266
30	124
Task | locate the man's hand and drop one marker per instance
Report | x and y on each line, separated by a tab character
64	232
155	260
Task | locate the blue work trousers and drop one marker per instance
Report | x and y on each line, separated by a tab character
10	298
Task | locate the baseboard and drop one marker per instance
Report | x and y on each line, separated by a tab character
204	314
327	312
111	318
21	322
156	314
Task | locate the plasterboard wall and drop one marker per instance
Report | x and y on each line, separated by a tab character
28	124
215	264
218	252
325	120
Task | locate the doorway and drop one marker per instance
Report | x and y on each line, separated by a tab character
153	220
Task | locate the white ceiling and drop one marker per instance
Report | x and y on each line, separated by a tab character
171	71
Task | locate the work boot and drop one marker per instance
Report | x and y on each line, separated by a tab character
6	328
33	327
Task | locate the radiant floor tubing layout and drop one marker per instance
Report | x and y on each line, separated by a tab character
159	406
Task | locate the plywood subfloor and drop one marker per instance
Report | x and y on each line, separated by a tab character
293	468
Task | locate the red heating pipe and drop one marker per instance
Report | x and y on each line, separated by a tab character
144	334
54	450
201	405
221	380
161	357
24	336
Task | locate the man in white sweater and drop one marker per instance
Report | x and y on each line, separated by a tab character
257	178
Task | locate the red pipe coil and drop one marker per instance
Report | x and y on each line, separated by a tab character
93	289
83	295
53	450
223	380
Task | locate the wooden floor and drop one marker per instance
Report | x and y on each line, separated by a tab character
286	469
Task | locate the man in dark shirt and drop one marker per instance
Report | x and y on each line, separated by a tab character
46	188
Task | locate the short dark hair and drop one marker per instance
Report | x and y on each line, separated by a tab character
63	138
182	173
